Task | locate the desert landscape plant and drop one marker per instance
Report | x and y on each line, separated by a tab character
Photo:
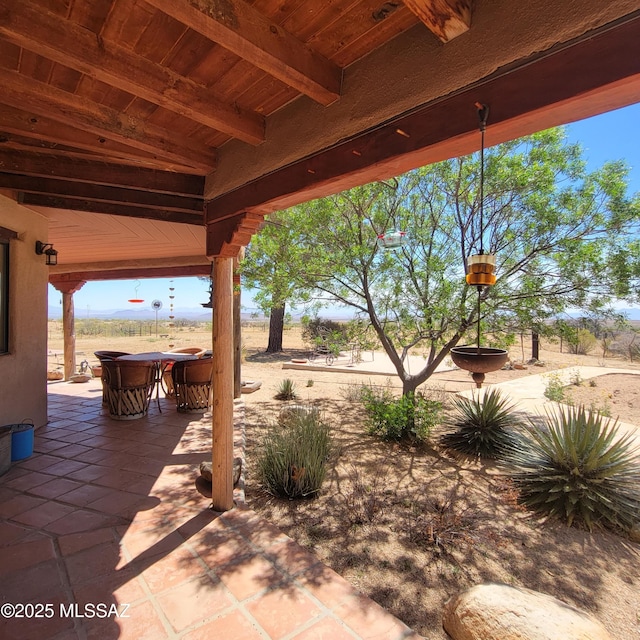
287	390
580	468
485	426
293	458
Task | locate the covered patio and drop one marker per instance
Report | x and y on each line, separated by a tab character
102	525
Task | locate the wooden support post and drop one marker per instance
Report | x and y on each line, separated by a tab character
69	335
237	328
222	384
68	287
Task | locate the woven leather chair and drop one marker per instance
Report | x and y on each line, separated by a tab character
192	384
167	381
107	355
128	386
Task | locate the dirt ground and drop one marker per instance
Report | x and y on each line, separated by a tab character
410	526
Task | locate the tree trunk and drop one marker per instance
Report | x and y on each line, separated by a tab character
276	328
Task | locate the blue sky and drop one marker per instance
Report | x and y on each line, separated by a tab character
610	136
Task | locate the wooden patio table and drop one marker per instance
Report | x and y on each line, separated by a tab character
161	360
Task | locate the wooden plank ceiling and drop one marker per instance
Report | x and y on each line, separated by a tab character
121	107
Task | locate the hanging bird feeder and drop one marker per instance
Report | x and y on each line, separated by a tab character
135	299
392	239
480	273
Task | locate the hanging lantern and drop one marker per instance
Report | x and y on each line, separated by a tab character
392	239
480	273
136	299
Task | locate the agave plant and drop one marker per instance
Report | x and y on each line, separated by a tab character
580	468
286	390
293	457
484	427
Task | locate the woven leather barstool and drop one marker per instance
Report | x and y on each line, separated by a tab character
192	384
128	387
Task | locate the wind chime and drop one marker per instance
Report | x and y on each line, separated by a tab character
136	299
480	274
171	316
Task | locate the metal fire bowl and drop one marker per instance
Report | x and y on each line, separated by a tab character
481	360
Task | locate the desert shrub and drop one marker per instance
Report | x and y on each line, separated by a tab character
579	468
554	387
293	458
286	390
410	416
317	328
584	342
483	427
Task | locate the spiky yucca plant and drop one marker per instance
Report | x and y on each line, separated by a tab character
580	468
292	462
287	390
484	427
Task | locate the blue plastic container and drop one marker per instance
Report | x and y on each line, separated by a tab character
21	441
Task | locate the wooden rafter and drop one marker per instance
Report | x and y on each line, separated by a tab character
48	101
447	19
67	43
102	173
101	193
240	28
98	206
225	238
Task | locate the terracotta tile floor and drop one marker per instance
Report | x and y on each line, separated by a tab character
103	535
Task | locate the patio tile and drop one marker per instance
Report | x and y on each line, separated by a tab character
42	627
72	450
28	480
219	547
115	502
283	610
113	588
327	586
44	514
54	487
81	520
26	584
43	445
27	554
89	474
65	467
325	629
11	533
95	561
290	557
75	542
193	601
141	623
166	571
84	494
38	462
233	626
19	504
370	621
248	576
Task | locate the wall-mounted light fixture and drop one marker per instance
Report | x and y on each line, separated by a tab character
46	249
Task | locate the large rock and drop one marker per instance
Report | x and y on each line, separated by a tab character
501	612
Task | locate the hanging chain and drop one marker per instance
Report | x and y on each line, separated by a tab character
483	114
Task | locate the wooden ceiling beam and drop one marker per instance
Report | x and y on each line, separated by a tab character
541	92
447	19
238	27
44	33
97	206
48	101
108	195
109	174
30	125
130	273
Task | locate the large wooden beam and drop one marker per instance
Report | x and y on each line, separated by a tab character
239	27
100	193
45	33
545	91
222	386
62	280
77	111
110	174
29	125
97	206
447	19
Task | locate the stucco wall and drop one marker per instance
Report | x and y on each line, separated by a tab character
413	69
23	371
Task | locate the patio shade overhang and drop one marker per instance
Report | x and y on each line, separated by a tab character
156	134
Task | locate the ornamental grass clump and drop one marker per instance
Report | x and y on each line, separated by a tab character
484	427
293	460
581	469
287	390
